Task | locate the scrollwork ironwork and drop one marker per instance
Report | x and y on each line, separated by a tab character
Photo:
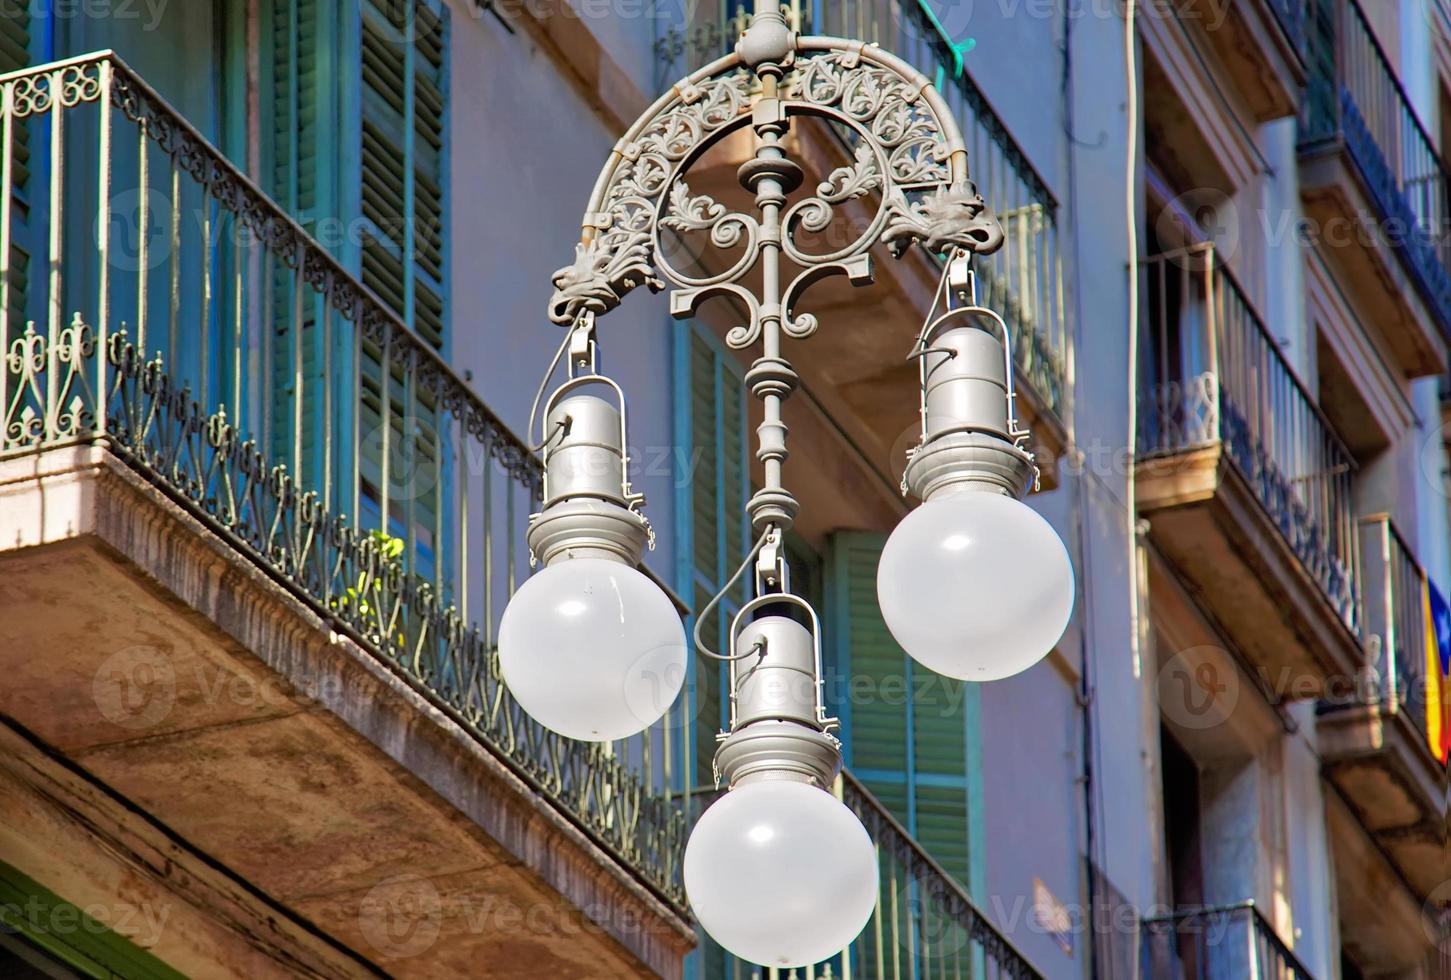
899	150
947	219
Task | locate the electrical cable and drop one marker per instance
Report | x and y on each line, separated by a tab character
543	386
715	600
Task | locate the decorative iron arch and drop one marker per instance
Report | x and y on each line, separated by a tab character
906	147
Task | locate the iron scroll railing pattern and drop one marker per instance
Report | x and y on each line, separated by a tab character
155	301
1212	375
1022	280
1229	942
924	925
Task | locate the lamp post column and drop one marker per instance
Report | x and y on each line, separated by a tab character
766	47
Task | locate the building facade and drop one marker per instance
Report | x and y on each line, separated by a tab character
273	287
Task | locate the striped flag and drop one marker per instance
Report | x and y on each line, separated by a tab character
1438	671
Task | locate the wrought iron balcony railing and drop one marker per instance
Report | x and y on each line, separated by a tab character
1231	942
1024	279
1212	374
1290	15
1354	96
1392	588
155	301
924	926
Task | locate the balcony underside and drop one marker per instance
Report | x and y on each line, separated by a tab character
1368	264
1207	523
140	650
1259	56
1383	926
1377	758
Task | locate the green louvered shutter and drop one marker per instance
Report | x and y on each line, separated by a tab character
295	47
910	751
714	490
404	69
15	38
396	177
939	774
712	417
15	54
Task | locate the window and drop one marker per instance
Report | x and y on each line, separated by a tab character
904	727
15	48
712	527
713	535
369	148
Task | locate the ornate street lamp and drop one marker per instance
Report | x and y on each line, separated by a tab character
973	583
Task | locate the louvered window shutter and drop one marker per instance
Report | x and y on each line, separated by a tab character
15	48
397	180
904	727
402	193
713	483
404	69
712	417
301	174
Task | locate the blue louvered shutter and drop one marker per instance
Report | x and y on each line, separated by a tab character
713	489
713	481
15	53
402	181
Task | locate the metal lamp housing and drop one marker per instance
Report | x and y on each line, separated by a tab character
590	647
970	438
778	727
974	584
588	508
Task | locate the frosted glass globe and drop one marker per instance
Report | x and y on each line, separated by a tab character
975	585
592	649
781	873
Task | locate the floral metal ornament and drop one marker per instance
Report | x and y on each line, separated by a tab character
905	149
952	218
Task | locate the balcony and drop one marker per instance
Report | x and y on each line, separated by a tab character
1372	736
257	538
1375	186
1231	942
1243	479
1022	281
